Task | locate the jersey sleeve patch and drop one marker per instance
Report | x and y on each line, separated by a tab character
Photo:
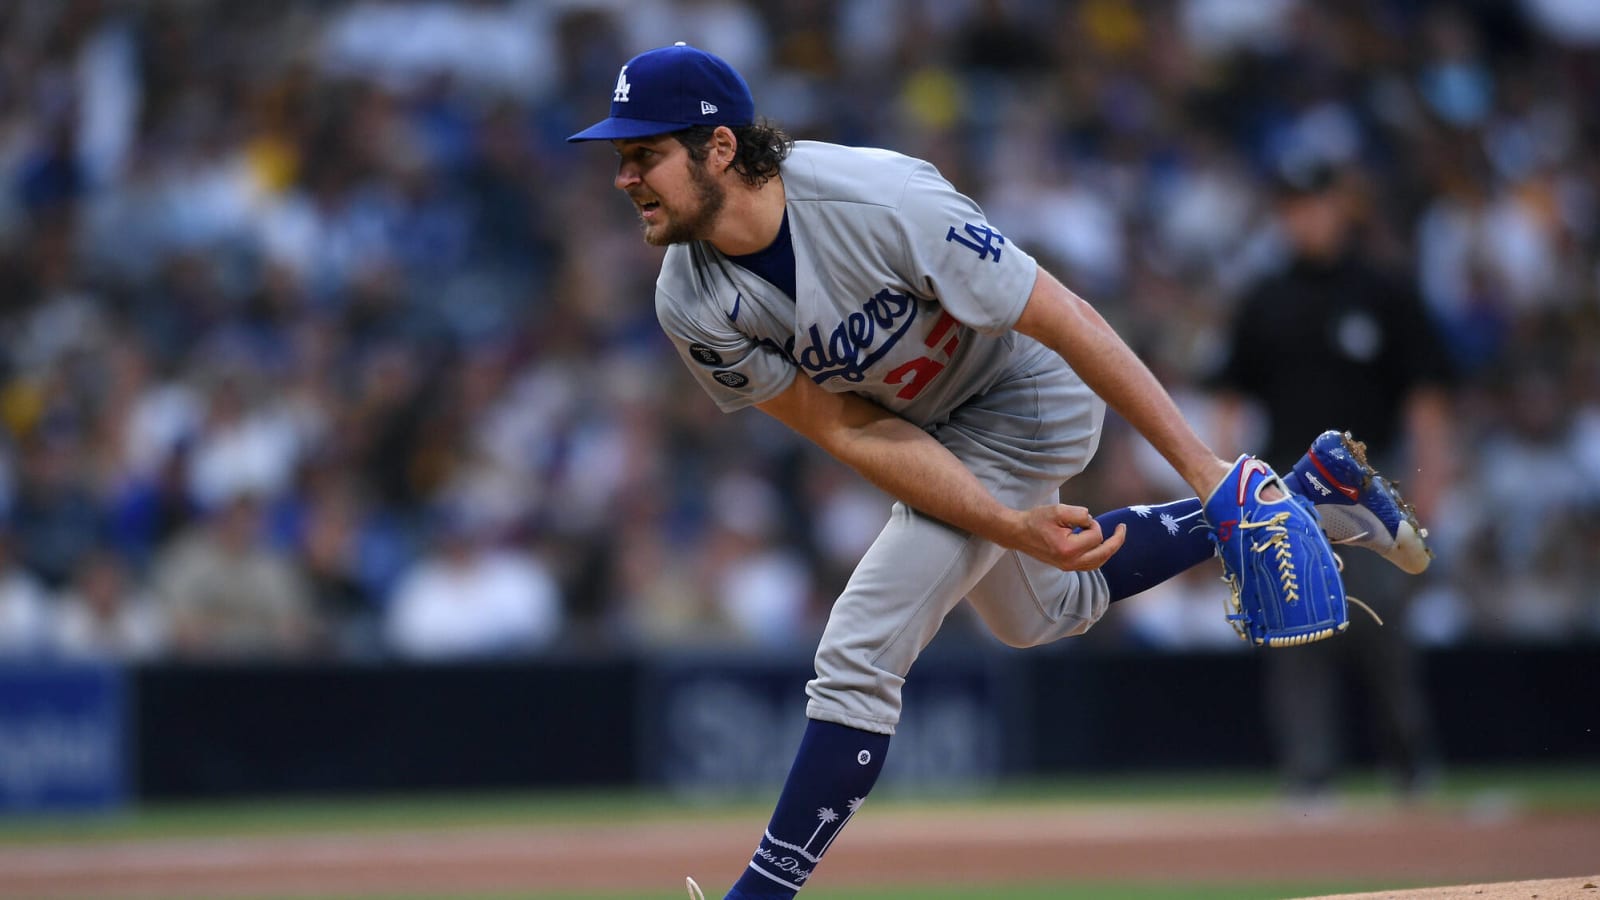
704	355
978	237
734	369
966	263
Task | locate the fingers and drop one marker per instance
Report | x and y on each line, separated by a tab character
1077	544
1076	517
1096	555
1068	538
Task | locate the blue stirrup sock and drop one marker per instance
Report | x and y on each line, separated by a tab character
832	773
1162	541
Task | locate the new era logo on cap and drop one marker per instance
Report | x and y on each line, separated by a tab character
671	88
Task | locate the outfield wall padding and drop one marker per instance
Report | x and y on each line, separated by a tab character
704	722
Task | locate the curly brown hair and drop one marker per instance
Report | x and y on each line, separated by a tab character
762	146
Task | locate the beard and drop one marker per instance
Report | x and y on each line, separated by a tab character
691	224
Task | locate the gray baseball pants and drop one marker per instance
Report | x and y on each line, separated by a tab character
1022	439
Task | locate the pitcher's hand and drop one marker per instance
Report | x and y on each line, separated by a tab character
1066	537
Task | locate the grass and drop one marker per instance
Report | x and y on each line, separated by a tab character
291	815
1549	789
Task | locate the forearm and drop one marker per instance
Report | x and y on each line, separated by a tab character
897	456
910	465
1122	380
1065	323
916	469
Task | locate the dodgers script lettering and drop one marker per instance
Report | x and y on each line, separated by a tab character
853	345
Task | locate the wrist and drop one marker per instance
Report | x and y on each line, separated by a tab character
1205	477
1010	527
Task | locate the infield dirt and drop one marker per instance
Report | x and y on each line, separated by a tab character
977	845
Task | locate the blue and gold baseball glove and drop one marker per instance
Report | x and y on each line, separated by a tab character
1278	564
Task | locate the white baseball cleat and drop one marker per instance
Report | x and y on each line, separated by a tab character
1357	505
694	890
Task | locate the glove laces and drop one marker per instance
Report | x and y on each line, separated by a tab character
1277	541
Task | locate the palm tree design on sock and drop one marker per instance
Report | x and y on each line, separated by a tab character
855	807
824	816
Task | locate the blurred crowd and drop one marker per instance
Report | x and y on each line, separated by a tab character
318	341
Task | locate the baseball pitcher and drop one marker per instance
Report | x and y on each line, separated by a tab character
860	299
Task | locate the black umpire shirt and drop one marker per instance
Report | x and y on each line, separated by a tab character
1331	345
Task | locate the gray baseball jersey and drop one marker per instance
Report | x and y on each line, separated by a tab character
906	295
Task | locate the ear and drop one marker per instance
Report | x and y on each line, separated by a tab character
723	147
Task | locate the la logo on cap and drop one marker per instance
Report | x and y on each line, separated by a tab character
678	87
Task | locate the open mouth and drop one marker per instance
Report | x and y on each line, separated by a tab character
647	209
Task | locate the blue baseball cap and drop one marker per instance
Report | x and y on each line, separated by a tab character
671	88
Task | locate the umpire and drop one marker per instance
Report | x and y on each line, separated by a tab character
1332	338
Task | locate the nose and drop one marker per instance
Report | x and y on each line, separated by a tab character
627	176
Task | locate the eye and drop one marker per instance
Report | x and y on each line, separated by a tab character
636	155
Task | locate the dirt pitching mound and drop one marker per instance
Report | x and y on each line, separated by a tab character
1547	889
